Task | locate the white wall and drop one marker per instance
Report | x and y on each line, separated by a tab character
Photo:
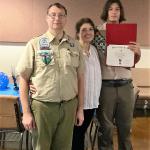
10	54
145	57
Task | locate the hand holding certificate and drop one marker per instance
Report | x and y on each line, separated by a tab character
118	37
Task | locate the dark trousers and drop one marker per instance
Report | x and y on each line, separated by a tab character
116	103
79	131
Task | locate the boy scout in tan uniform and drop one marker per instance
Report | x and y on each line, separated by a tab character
54	65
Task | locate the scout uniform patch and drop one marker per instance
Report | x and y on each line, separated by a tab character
45	50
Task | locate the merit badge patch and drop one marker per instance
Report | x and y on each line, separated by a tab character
46	56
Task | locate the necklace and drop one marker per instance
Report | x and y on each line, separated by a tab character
87	53
86	50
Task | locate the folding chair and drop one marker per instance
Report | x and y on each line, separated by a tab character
10	121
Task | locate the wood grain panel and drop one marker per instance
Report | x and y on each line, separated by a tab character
16	20
22	19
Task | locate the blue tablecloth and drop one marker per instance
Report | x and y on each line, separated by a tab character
9	91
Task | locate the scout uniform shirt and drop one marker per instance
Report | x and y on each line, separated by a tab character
52	67
108	72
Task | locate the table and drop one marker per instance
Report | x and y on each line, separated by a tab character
9	91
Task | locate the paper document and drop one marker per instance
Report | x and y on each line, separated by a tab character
119	55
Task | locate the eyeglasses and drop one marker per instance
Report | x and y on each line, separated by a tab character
54	15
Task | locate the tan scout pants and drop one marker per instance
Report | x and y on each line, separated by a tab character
55	122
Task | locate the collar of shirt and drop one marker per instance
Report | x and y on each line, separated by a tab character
52	37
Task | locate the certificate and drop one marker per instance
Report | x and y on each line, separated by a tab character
119	55
121	34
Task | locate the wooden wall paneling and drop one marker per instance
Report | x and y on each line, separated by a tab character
139	12
39	16
16	20
22	19
76	10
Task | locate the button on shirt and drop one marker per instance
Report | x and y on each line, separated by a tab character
57	80
92	79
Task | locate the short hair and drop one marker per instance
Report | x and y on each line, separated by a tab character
58	5
104	15
80	23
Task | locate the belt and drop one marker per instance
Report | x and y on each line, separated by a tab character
116	83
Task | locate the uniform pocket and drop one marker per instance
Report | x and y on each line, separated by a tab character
71	58
74	58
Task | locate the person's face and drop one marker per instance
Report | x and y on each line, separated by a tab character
56	18
114	13
86	33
